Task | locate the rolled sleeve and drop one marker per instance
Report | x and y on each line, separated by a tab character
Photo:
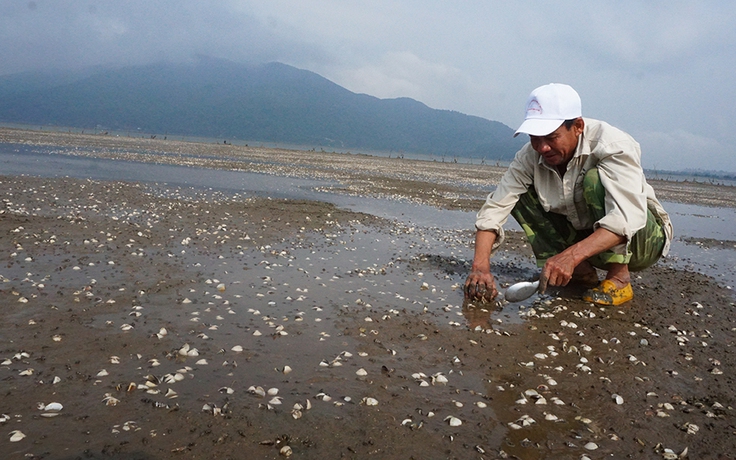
498	205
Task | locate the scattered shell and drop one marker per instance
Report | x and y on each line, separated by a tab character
370	401
16	436
361	372
453	421
257	391
110	400
619	400
237	349
53	407
591	446
690	428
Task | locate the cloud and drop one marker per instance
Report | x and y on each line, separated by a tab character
650	67
402	74
677	150
647	35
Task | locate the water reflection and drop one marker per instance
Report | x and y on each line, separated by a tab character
689	220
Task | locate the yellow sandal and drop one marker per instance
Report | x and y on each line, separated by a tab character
607	293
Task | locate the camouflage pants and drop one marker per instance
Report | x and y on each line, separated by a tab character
550	233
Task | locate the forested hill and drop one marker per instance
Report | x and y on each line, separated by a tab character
260	103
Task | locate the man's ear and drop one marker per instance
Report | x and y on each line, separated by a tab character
578	125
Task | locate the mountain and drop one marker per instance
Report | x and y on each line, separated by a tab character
260	103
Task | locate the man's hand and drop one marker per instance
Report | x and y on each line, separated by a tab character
480	286
557	271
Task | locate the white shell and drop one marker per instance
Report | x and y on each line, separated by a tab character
453	421
53	407
591	446
257	390
16	436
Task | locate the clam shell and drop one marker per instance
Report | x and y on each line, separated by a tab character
53	407
453	421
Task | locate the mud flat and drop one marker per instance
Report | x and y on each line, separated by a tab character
173	322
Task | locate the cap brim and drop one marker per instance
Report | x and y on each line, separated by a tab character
538	127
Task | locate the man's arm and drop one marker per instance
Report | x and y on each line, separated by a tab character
558	269
480	284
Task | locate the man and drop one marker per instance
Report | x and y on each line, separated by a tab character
578	191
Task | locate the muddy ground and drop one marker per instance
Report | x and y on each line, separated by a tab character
182	323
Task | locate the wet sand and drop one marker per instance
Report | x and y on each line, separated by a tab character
161	317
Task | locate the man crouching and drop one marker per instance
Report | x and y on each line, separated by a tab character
579	193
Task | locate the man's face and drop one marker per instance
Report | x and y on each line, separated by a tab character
558	147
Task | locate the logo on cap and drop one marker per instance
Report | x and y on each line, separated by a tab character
533	108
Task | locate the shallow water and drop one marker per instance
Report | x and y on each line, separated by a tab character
690	221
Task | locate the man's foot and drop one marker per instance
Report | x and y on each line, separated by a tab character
589	280
585	275
607	293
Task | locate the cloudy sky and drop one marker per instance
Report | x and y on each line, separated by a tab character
661	70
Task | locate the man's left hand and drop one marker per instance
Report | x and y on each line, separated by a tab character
557	271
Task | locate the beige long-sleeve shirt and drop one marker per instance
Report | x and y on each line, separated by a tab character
618	159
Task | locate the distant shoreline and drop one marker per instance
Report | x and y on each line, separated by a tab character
705	176
133	134
447	185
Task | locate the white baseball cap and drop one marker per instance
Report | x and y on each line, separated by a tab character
547	107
